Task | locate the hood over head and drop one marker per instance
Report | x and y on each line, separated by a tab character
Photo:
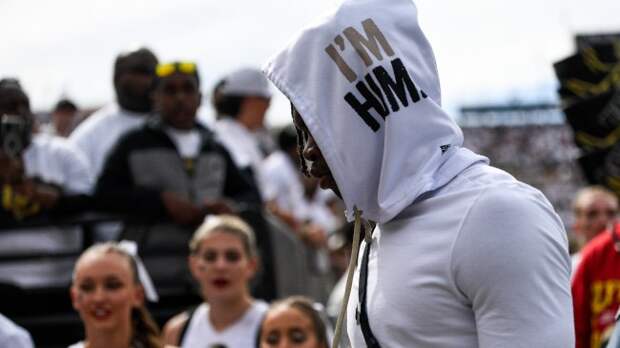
365	82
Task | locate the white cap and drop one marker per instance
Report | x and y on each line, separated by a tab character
246	82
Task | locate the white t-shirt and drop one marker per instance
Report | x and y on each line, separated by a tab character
281	182
12	335
240	142
242	334
319	212
96	136
187	142
483	262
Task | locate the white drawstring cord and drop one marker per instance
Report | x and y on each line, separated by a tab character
350	271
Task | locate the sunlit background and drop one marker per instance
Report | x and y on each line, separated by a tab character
488	51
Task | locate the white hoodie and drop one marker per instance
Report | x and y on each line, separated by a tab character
463	254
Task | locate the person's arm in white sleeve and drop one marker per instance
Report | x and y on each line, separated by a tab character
84	140
17	341
510	261
12	335
77	180
78	176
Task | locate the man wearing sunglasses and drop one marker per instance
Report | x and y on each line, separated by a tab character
170	173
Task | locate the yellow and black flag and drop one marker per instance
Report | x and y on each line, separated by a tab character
590	97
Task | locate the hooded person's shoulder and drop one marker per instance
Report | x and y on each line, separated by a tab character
512	209
511	221
512	197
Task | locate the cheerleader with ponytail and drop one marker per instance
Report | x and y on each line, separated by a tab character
108	291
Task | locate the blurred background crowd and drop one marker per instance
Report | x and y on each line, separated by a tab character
143	170
139	214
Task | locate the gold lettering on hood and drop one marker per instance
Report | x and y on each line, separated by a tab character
362	44
371	41
382	89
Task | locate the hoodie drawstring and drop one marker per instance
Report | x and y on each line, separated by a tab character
351	269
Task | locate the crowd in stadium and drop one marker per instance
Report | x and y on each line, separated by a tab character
544	156
74	167
161	231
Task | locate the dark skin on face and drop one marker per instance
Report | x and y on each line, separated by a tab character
63	121
133	81
177	98
315	164
13	102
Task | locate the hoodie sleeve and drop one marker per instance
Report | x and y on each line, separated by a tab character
510	262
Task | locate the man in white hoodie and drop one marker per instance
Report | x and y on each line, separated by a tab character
463	254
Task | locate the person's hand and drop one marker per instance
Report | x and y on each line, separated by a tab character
181	210
45	195
313	235
218	207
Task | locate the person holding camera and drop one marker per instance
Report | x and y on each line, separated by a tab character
39	175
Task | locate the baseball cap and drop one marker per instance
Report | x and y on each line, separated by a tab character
246	82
